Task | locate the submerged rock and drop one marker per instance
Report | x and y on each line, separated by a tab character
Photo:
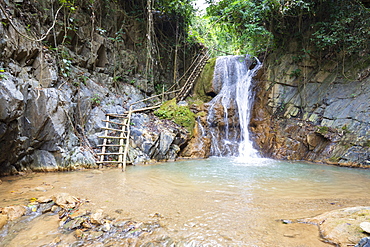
65	200
14	212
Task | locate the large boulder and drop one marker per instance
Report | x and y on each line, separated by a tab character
342	226
11	99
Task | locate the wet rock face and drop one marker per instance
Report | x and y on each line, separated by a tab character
306	112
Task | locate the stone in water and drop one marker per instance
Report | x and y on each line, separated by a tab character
365	226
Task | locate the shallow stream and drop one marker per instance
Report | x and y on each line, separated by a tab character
211	202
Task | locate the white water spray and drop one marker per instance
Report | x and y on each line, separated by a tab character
244	100
231	107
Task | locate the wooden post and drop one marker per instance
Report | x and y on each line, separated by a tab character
105	140
122	137
127	139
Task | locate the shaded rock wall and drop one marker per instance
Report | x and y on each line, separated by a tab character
54	94
314	109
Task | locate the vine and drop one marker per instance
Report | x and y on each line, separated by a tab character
25	35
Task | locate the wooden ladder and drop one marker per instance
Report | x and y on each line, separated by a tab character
198	68
122	142
113	142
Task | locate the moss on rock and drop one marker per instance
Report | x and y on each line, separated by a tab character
204	82
181	115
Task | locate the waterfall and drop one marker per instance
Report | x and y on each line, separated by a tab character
229	111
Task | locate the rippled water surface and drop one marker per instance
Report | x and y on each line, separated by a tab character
212	202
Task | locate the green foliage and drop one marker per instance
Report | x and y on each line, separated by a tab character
179	114
65	68
366	144
181	10
322	130
70	4
95	101
345	129
2	74
233	27
65	63
119	36
295	73
83	78
160	88
334	159
346	27
254	26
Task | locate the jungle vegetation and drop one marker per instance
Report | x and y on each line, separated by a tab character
257	26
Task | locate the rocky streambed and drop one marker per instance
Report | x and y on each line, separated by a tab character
65	220
187	204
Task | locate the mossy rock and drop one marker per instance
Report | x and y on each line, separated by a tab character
181	115
204	81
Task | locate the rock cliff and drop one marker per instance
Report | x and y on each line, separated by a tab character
314	109
54	93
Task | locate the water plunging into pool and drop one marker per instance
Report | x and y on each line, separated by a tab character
229	111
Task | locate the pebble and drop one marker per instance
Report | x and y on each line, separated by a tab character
97	217
44	199
14	212
365	226
78	233
40	189
290	235
3	220
106	227
97	172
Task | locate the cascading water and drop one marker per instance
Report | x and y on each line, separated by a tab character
229	112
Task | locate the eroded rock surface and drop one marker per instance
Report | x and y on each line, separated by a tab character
310	111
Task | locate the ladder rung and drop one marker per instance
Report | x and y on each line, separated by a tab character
112	137
109	153
114	122
107	161
116	115
105	128
109	145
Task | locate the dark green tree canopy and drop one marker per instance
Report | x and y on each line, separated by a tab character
254	26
